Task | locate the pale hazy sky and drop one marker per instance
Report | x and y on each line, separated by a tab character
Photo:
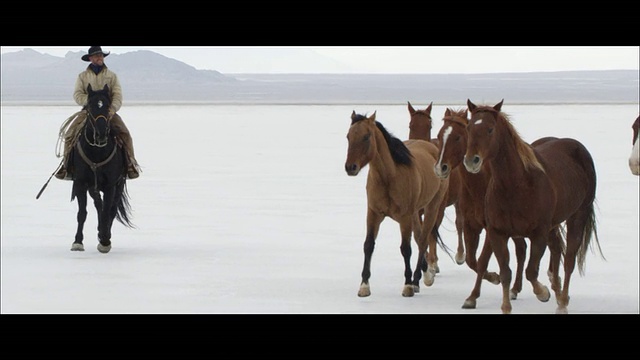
407	59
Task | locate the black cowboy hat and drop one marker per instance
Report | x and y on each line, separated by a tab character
93	51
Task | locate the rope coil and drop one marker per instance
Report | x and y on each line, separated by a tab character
64	128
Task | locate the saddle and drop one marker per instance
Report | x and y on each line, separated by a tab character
66	170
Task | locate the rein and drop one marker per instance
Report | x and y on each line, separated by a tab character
92	122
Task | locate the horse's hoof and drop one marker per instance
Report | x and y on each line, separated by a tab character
460	258
493	278
408	291
545	295
469	304
437	269
562	310
364	290
429	276
513	295
77	247
104	249
416	289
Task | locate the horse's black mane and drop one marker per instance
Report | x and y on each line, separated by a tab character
399	152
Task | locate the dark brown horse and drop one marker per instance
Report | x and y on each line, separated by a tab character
400	182
531	192
420	125
453	139
634	158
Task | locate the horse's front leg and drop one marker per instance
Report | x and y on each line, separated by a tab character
478	265
81	195
460	255
105	221
407	226
373	225
521	254
498	243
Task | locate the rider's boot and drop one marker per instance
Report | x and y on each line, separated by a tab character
64	173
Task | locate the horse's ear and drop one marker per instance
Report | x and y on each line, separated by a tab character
428	110
373	116
106	88
411	109
498	106
353	115
471	105
89	88
447	112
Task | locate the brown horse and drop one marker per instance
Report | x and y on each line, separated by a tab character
420	128
453	139
400	182
634	158
531	192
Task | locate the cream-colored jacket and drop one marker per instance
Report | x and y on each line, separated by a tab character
105	77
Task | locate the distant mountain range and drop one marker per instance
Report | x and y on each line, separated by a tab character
148	77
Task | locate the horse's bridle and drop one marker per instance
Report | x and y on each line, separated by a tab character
92	120
94	166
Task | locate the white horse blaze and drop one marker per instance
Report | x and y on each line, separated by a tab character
445	136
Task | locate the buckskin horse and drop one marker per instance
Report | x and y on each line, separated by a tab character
400	182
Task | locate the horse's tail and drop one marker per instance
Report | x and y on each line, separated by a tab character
123	211
590	230
443	246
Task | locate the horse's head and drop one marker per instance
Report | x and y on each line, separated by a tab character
420	124
481	142
98	127
362	143
452	138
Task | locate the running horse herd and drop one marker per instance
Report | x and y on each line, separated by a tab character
498	183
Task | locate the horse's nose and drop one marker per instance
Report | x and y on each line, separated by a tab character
473	164
351	169
442	171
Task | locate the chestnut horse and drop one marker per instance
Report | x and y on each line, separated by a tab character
400	182
420	128
634	158
453	139
531	192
